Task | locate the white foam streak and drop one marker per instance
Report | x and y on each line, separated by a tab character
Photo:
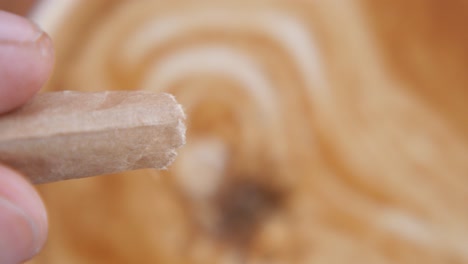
48	14
214	60
284	29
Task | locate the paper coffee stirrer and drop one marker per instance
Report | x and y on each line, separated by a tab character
67	135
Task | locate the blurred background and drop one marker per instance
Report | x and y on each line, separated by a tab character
318	131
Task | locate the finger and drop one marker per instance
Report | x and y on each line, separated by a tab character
23	220
26	60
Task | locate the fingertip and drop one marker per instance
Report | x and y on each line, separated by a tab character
26	60
23	219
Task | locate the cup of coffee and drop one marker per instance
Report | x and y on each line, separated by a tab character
317	131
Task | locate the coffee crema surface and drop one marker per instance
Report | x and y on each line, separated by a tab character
318	132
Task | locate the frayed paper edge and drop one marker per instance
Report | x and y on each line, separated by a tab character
181	128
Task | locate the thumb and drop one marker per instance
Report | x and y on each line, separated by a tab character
26	59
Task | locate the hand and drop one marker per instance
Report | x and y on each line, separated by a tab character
26	60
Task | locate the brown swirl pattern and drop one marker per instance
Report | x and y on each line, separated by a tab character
307	141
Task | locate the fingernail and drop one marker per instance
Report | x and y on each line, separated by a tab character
18	234
16	30
44	44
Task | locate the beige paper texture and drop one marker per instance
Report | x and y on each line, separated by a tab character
67	135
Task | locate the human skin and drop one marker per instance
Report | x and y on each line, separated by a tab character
26	61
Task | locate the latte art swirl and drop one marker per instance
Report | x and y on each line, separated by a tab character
304	144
